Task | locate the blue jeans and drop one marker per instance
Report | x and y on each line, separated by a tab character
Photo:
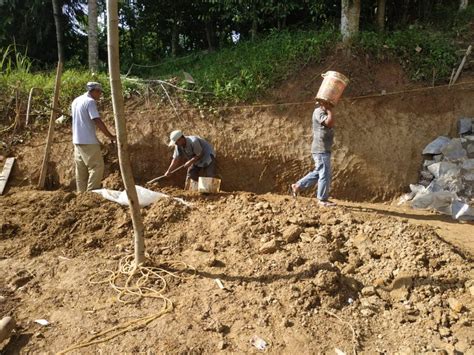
321	175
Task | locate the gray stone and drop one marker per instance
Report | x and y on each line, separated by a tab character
470	149
468	165
465	125
435	146
454	150
444	168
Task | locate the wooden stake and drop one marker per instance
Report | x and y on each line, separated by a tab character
121	129
452	76
28	109
468	51
49	139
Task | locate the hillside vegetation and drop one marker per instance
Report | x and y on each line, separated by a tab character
248	69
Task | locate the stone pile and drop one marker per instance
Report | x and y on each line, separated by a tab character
447	178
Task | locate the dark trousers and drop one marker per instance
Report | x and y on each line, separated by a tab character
207	171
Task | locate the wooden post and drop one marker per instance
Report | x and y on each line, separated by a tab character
49	139
468	51
121	129
28	109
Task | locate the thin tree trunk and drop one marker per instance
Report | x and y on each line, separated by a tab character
350	14
174	39
59	30
52	119
254	29
381	15
92	36
121	129
210	36
463	5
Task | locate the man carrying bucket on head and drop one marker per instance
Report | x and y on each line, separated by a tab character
199	153
323	137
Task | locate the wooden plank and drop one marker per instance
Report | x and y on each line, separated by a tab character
7	168
49	139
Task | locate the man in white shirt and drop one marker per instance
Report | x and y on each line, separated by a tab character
87	155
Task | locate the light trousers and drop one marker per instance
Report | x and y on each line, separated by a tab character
89	166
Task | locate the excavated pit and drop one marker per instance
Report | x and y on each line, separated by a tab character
375	157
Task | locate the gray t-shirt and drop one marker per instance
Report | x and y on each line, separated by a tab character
323	136
194	146
84	110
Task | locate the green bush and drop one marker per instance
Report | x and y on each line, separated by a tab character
420	51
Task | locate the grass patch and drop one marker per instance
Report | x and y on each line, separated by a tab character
421	52
248	69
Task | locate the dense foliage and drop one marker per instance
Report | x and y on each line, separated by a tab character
152	30
164	38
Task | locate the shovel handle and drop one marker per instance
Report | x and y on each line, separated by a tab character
163	176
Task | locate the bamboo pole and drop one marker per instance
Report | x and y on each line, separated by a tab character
49	139
121	129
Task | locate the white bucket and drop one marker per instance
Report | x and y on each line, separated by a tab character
209	185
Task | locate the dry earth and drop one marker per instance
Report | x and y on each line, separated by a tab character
289	268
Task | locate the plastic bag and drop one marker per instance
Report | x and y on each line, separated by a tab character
145	197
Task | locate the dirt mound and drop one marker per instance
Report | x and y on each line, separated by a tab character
288	268
40	221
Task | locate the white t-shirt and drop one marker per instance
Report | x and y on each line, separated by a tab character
84	110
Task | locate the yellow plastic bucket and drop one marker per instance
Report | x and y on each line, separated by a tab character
332	87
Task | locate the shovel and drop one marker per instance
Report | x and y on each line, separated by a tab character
163	176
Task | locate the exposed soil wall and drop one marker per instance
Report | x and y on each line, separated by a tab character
377	150
378	140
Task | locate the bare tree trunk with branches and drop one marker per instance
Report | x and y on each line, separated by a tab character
121	129
92	36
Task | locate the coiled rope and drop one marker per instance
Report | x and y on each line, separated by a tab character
132	283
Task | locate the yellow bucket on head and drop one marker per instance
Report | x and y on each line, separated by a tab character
332	87
209	185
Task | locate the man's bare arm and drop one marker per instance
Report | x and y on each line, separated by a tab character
99	123
329	122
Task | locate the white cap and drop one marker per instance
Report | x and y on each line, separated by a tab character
174	136
93	85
